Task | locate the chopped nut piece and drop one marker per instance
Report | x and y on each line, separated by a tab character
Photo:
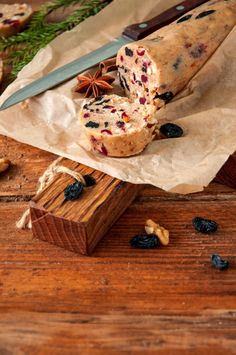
161	232
4	164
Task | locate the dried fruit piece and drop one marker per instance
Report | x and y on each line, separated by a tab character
129	52
73	191
171	130
92	124
204	14
204	225
185	18
167	96
144	241
4	164
89	180
219	263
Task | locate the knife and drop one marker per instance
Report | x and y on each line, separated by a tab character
131	33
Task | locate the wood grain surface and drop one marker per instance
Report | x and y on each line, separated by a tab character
121	300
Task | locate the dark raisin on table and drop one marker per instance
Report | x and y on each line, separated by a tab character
144	241
185	18
171	130
89	180
204	14
73	191
218	263
204	225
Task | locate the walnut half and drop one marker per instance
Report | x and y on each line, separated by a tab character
161	233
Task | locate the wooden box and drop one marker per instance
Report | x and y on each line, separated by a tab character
80	224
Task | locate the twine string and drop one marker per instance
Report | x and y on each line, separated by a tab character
25	221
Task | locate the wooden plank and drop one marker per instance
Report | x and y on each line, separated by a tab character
117	277
75	333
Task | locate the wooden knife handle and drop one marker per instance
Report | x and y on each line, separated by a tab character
141	30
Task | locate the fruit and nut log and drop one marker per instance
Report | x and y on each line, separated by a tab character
155	69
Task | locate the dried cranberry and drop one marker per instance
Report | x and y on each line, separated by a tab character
150	125
134	76
124	115
1	15
142	100
129	52
113	110
103	150
141	52
121	58
86	115
205	13
106	131
14	23
144	78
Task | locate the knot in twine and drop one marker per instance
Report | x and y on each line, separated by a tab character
47	177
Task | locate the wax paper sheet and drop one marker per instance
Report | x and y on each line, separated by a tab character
206	109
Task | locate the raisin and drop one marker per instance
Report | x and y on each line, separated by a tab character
98	98
120	124
219	263
144	67
106	124
102	102
86	106
1	15
14	23
73	191
89	180
171	130
185	18
20	14
204	226
129	52
125	83
167	96
92	124
177	63
144	241
108	106
121	81
205	13
197	52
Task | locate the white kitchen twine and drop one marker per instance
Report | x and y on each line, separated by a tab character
44	180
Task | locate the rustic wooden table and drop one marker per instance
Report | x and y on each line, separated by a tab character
120	300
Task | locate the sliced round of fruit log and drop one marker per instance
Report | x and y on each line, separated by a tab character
13	18
117	127
155	69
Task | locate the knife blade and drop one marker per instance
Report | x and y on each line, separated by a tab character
131	33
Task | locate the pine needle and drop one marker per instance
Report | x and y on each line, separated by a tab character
22	47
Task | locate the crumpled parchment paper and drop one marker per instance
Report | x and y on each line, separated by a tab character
206	109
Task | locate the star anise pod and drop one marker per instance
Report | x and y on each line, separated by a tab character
94	84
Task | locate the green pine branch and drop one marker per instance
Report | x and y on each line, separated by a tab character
23	46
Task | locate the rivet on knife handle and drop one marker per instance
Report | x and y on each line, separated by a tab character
141	30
